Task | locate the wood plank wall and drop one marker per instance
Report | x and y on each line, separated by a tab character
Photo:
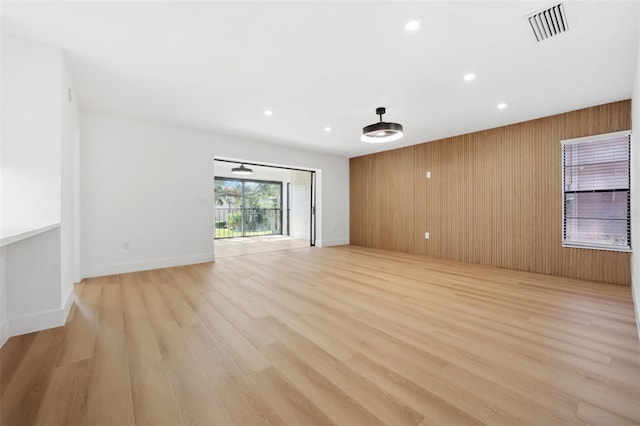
494	198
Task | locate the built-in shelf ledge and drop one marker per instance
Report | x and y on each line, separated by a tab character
14	232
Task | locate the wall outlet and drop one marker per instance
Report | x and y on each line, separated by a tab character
426	235
428	175
126	245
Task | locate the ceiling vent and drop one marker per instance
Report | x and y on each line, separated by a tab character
549	22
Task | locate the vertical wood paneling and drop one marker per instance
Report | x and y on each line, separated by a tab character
494	198
390	198
358	200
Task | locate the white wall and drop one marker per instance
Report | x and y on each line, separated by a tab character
4	324
31	128
151	185
36	286
68	186
301	205
635	189
33	283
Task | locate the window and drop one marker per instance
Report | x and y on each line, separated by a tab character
596	195
247	207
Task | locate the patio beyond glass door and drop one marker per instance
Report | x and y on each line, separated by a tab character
247	208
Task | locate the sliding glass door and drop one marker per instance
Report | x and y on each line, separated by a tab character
247	207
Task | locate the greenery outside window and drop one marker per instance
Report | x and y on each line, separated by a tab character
247	207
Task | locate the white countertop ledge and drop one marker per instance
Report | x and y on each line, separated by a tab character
14	232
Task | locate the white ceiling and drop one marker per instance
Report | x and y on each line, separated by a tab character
218	65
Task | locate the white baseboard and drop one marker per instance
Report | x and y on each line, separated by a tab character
37	321
4	333
145	265
334	243
67	306
636	304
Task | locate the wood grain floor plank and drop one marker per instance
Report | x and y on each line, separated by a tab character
434	409
320	337
153	399
336	404
373	399
132	303
423	367
305	289
180	309
509	407
198	401
247	326
81	336
234	343
238	297
23	397
109	394
580	387
628	329
291	405
339	335
229	247
13	353
509	378
594	415
365	339
484	319
158	311
111	314
65	400
241	399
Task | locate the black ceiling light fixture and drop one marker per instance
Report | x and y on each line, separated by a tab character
242	170
381	131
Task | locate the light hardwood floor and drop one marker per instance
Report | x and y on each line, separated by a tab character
229	247
342	335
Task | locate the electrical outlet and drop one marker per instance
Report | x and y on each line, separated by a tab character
426	235
126	245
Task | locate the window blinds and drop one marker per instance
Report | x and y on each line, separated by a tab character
596	191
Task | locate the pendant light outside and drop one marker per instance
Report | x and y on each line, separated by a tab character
242	170
382	131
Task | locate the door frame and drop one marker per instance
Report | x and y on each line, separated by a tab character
313	196
312	221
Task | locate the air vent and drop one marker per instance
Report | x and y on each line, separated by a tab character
549	22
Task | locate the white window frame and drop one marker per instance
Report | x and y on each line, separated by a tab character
589	244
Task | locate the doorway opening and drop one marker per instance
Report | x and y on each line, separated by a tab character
271	209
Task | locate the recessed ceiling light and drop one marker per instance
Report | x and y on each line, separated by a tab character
327	129
469	77
268	113
502	105
413	25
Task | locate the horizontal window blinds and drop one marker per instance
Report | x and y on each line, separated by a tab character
596	191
